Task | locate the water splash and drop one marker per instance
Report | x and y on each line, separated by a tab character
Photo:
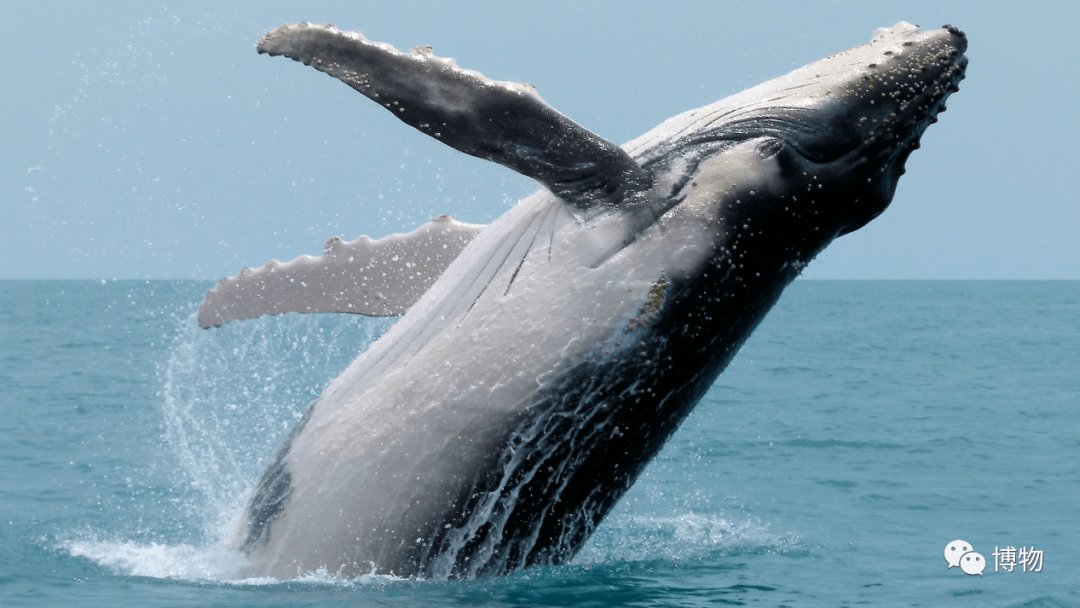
628	537
227	399
231	395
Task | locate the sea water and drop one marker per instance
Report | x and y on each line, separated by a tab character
863	428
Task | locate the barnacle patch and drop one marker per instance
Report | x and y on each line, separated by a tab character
654	301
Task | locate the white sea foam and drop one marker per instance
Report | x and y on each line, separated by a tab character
195	564
634	538
626	539
181	561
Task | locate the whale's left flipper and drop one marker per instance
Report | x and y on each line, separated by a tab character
504	122
374	277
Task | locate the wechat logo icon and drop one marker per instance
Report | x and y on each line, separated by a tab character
960	553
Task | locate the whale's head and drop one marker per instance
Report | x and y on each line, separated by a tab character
842	127
875	107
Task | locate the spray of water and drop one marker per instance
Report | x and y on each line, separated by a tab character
228	397
231	395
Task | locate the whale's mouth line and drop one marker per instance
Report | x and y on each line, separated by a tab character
782	123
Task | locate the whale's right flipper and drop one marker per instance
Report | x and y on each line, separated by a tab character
378	278
504	122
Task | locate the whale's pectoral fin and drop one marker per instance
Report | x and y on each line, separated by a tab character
504	122
379	278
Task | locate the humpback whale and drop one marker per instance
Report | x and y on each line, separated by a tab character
541	361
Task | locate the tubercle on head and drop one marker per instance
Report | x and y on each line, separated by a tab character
902	96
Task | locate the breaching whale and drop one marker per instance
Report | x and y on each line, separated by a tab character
541	361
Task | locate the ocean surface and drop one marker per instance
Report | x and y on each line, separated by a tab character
863	428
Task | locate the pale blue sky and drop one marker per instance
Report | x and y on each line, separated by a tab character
149	140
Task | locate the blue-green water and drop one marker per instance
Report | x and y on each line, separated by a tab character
863	427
